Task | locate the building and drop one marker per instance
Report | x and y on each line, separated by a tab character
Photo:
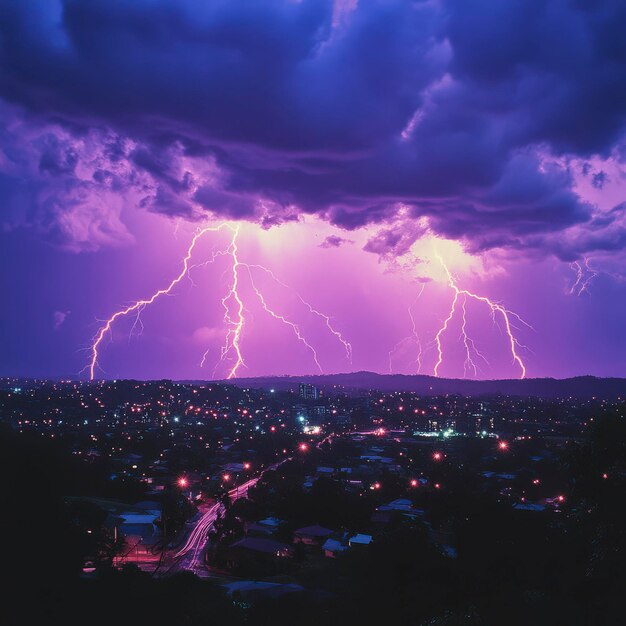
360	540
309	392
312	535
333	548
253	555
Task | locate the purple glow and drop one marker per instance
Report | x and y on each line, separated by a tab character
360	150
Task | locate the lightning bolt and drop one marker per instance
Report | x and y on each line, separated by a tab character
327	320
494	307
584	276
138	306
284	320
232	303
468	344
413	337
234	321
579	276
418	341
204	356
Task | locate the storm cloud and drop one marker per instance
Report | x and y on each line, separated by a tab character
464	113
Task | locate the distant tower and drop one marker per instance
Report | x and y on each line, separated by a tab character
309	392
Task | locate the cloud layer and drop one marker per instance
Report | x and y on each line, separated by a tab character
464	113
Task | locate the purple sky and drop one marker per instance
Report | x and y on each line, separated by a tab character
360	149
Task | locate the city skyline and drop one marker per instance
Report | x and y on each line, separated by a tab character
208	192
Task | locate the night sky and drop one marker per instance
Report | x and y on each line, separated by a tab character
434	187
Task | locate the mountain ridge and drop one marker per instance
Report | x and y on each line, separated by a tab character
583	387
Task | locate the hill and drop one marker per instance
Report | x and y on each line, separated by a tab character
583	387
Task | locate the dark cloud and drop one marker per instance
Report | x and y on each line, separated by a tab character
396	240
334	241
599	180
267	111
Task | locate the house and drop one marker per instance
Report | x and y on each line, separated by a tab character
261	545
360	540
233	468
140	533
401	505
333	548
376	458
271	522
254	529
138	524
253	553
312	535
327	471
149	507
529	506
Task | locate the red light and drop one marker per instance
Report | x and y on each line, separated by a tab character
226	477
437	456
182	482
561	498
303	447
437	486
503	445
414	483
605	476
376	486
246	466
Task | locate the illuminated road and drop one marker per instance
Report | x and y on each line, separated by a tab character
189	557
190	554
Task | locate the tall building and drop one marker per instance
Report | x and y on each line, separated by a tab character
309	392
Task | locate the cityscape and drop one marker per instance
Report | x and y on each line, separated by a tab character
334	502
312	312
